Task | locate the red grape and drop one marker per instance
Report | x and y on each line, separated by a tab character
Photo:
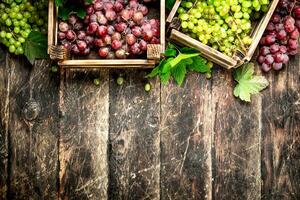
281	35
143	9
278	58
282	49
99	42
81	45
293	44
296	12
270	39
93	18
74	49
110	15
103	52
78	26
102	31
148	35
274	48
107	39
136	31
72	19
92	28
126	14
265	67
137	17
294	35
269	59
120	53
130	39
89	10
81	35
154	41
102	19
275	18
116	44
61	35
116	36
120	27
264	51
85	52
118	6
134	49
110	29
63	27
108	6
260	59
143	45
98	5
277	66
70	35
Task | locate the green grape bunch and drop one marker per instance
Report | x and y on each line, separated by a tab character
225	25
18	18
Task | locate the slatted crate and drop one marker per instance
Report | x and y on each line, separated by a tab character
214	55
59	53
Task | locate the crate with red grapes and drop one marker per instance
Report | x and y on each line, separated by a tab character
280	39
118	33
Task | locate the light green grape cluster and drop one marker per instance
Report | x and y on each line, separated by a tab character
225	25
18	18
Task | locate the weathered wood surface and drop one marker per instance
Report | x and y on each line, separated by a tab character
83	142
119	142
134	155
31	129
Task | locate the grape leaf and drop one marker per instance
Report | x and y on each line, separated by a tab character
199	65
170	4
165	77
170	53
35	46
58	3
179	73
247	82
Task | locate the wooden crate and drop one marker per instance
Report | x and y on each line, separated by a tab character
57	52
214	55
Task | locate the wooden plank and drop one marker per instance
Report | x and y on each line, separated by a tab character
236	142
134	138
32	130
186	139
281	135
83	135
4	116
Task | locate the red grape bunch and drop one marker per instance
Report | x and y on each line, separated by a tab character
115	29
280	39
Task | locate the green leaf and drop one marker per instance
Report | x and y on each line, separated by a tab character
165	77
180	57
170	53
35	47
179	73
154	72
248	83
81	13
58	3
188	50
199	65
88	1
63	13
166	66
170	4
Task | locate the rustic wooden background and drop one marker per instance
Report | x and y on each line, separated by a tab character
63	137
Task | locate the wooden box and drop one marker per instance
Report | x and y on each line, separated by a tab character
57	52
214	55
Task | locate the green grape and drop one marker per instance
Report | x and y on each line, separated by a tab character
8	35
2	34
12	49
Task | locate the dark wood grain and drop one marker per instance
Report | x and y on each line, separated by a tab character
236	142
4	116
186	139
83	135
33	128
281	135
134	138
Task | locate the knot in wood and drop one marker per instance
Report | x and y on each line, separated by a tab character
31	110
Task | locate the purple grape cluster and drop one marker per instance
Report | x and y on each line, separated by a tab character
280	39
114	29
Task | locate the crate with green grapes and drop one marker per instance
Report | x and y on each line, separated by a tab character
226	32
